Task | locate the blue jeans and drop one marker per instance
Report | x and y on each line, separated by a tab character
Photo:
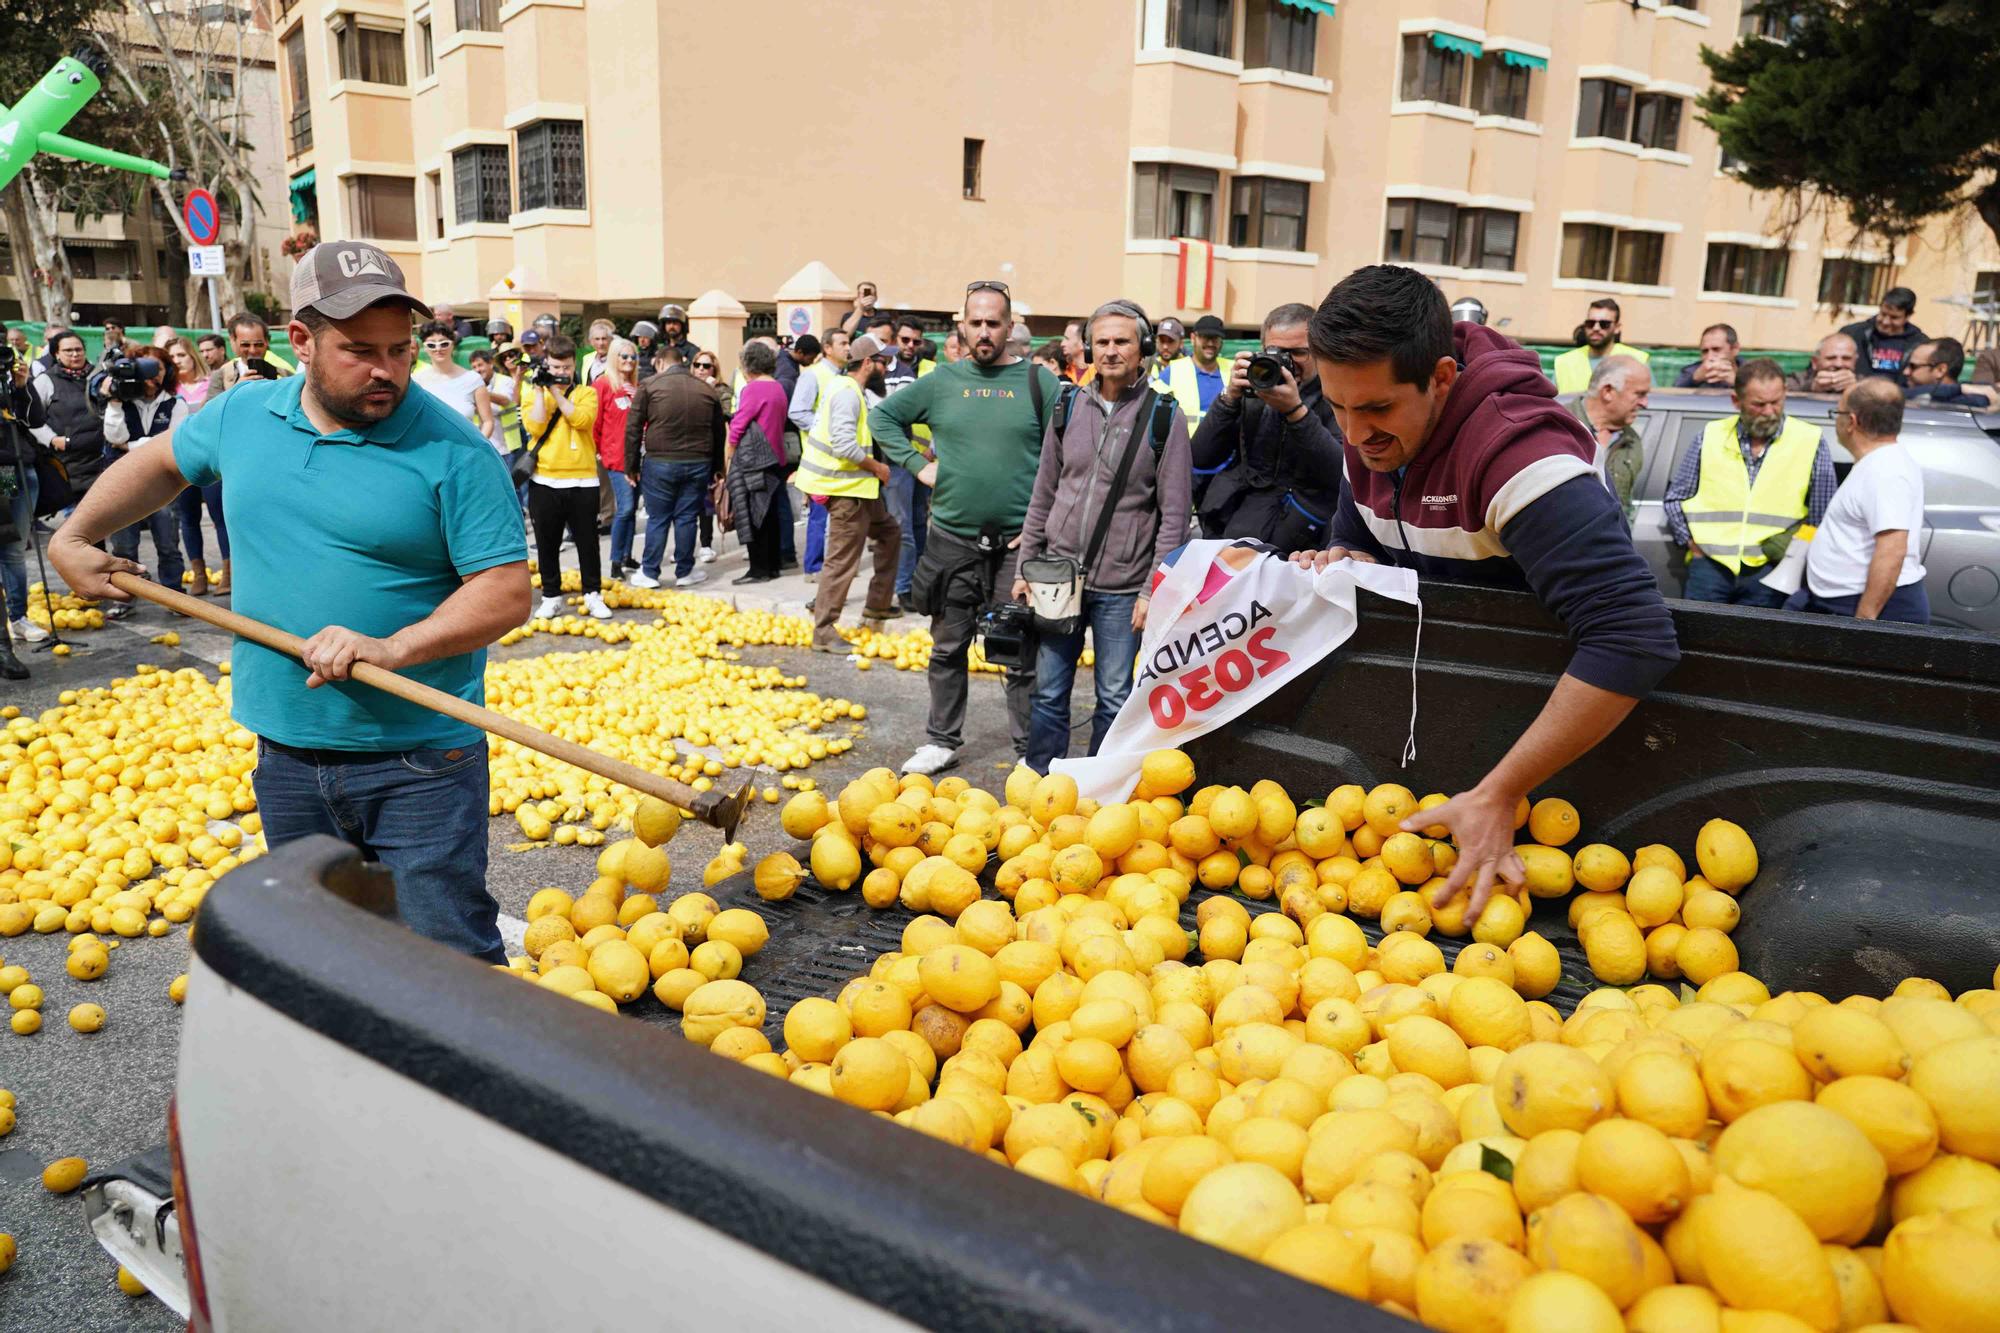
14	556
910	503
166	531
673	494
624	517
1109	618
815	536
187	508
1909	604
1709	581
421	813
788	541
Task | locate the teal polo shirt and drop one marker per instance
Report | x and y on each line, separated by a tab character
370	530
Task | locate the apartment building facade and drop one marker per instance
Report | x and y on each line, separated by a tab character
1198	155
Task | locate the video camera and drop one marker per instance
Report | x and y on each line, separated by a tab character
127	382
1007	635
7	355
1267	368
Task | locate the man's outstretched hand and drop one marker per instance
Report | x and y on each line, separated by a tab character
1483	824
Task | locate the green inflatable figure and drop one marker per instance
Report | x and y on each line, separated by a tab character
34	125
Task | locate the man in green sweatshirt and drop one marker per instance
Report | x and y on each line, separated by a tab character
986	415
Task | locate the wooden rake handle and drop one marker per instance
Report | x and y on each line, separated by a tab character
714	806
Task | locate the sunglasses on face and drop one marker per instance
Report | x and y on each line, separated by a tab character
437	345
1598	323
987	285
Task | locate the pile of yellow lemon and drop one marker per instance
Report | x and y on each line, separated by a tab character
63	611
1355	1115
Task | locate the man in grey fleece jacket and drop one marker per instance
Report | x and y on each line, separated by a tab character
1150	514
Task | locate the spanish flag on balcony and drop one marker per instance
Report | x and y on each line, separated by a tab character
1193	286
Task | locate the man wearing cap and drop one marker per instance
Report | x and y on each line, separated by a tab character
1168	340
1197	379
840	459
379	527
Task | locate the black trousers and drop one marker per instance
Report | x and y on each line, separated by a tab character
765	538
552	509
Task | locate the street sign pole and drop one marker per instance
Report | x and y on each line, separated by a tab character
214	309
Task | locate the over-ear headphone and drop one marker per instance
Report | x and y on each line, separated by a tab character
1121	306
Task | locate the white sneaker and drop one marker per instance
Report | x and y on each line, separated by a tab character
930	759
692	577
594	604
704	555
550	608
643	580
27	631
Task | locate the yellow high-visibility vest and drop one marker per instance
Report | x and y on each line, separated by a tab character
922	432
1729	518
1183	385
1573	367
823	472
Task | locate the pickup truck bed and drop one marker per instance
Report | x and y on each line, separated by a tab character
612	1169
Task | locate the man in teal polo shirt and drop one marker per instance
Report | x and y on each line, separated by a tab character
380	527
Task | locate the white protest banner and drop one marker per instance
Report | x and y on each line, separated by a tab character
1230	622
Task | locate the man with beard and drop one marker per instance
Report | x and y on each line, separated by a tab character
1602	326
840	458
1462	466
1742	493
380	527
986	414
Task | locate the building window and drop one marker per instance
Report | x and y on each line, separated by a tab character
1986	288
1746	270
1206	27
1771	27
434	191
975	152
1638	258
1485	238
426	50
478	15
368	54
1500	88
1852	282
479	184
1277	35
381	208
551	164
1656	121
295	62
102	261
1604	110
1419	231
1268	214
1431	73
219	85
1170	201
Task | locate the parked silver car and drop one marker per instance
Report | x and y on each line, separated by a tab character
1960	453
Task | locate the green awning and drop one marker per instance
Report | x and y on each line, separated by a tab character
1524	60
1444	41
302	194
1311	6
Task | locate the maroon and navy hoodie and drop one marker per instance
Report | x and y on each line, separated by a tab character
1504	493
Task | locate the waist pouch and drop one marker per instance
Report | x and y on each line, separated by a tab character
1055	593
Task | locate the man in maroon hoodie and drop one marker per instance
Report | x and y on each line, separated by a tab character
1462	465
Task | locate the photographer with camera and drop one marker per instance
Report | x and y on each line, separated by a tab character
251	338
1268	444
986	415
1111	502
21	411
562	497
143	406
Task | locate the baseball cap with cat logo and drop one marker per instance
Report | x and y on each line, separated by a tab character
340	279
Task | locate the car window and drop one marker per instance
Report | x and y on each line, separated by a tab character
1961	467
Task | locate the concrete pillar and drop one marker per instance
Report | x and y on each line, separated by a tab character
715	324
520	297
812	300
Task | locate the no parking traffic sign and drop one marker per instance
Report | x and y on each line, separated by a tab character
204	219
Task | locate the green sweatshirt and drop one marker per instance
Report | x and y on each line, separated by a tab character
987	438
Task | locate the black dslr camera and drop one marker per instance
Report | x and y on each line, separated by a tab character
1007	635
1267	368
551	379
256	367
129	375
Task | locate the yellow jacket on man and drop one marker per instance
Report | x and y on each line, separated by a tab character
823	472
1574	366
570	452
1730	519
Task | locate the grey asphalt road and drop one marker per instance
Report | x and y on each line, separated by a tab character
103	1097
